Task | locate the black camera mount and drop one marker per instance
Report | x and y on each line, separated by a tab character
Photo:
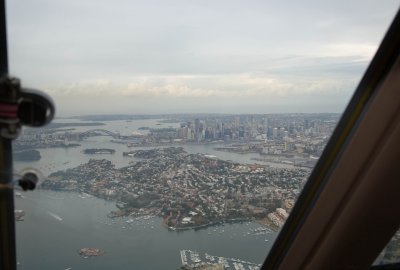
22	107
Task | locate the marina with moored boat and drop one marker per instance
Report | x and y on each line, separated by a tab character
193	259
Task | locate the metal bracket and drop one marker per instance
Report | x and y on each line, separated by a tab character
22	107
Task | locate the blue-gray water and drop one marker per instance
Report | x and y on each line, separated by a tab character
57	224
47	242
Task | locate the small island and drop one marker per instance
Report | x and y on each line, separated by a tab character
92	151
90	252
27	155
19	215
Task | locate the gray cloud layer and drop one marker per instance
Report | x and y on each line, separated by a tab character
193	56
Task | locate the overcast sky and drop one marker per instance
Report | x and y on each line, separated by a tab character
169	56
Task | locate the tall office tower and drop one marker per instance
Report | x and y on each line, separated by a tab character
307	124
237	122
196	124
197	129
265	127
274	133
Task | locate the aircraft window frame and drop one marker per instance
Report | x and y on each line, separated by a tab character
378	70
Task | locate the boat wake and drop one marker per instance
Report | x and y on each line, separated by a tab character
54	216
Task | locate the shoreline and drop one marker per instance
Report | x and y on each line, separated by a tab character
267	225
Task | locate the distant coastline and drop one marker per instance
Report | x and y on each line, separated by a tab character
80	124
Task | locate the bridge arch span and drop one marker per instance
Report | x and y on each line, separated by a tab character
102	131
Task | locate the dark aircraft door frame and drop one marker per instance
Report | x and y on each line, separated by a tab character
18	107
7	223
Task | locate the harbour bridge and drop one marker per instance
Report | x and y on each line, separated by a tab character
102	132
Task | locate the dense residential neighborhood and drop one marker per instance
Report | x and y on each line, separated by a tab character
187	190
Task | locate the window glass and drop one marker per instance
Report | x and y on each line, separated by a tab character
391	253
185	130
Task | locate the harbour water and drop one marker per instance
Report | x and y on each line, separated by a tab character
58	224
